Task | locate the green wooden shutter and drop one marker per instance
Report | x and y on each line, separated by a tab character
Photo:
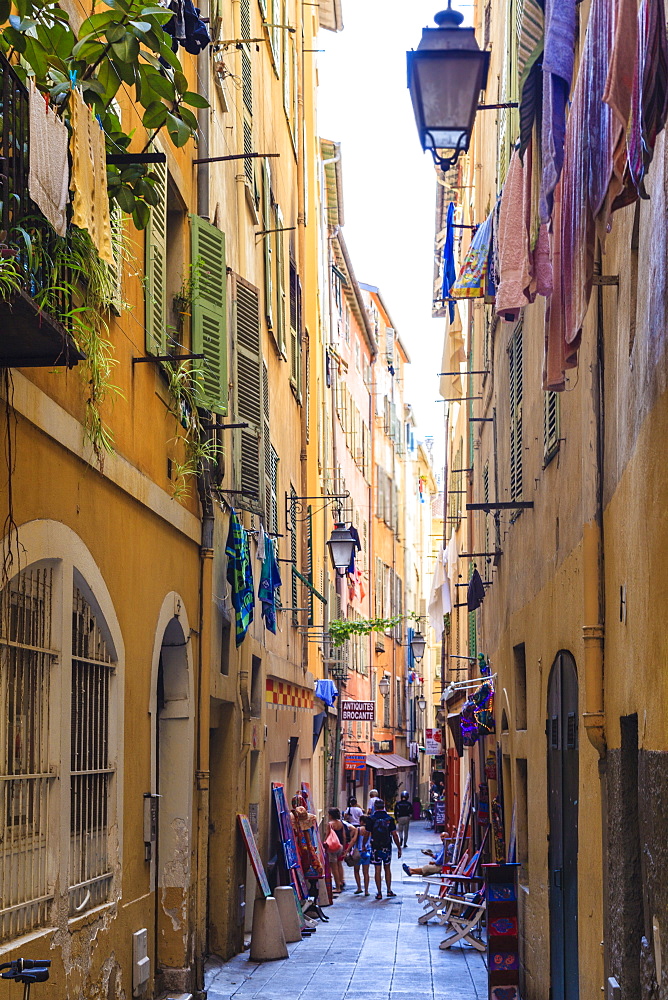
156	265
248	395
280	282
209	312
267	220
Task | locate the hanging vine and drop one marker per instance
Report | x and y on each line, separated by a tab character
341	629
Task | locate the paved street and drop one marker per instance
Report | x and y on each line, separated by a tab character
368	951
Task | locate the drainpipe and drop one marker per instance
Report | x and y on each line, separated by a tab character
593	628
205	604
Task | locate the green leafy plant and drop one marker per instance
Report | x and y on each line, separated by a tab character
341	629
122	46
11	279
199	448
68	280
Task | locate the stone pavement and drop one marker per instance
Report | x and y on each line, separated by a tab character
369	950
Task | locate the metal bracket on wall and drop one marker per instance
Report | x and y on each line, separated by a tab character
173	359
295	506
504	505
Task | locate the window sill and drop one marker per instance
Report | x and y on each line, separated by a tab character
91	916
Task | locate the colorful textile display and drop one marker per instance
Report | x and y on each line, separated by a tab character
303	825
49	172
472	280
89	177
270	581
649	106
240	576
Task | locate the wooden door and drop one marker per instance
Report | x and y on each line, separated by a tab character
563	783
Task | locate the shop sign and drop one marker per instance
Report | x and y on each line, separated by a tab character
433	744
354	761
357	711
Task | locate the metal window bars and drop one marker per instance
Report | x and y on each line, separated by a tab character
91	769
27	658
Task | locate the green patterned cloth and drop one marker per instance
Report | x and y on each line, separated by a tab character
240	576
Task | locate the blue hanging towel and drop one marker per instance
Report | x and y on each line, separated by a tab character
326	691
449	271
240	576
270	581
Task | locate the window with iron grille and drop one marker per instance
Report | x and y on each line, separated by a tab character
550	426
31	861
516	393
91	771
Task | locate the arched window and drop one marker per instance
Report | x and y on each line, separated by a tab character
56	717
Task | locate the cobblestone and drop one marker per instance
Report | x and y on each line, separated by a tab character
369	950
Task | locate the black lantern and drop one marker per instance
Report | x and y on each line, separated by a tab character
445	76
341	547
418	643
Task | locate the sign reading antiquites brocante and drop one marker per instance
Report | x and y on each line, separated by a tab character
357	711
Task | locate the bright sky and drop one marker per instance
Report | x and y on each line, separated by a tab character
389	184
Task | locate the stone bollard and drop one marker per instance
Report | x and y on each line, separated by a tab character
287	908
267	937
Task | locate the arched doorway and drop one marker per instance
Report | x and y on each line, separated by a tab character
173	761
563	784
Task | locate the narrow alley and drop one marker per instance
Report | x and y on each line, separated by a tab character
367	951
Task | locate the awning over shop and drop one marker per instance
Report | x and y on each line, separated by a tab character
388	763
379	763
401	763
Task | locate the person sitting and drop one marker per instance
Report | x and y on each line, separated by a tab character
435	868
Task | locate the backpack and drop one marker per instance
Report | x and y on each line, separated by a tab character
380	835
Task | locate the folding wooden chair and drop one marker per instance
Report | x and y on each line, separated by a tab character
463	915
435	888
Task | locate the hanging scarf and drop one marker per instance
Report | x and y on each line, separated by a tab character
240	576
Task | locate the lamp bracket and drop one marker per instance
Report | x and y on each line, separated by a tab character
296	508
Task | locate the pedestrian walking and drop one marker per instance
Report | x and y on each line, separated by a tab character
403	814
383	832
337	832
353	812
360	850
373	798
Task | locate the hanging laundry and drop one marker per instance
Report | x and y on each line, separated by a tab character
327	692
559	356
440	602
524	268
452	562
472	280
89	177
619	91
475	594
270	581
530	69
449	272
454	353
261	543
558	58
240	576
514	271
358	547
187	28
649	106
48	172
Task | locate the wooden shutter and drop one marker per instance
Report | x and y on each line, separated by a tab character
270	460
209	312
267	216
248	395
516	392
295	332
280	281
155	266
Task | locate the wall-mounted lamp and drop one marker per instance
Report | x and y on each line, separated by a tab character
384	686
422	703
341	545
445	76
418	644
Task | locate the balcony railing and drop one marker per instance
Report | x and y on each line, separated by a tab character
29	336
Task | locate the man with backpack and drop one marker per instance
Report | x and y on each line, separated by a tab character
383	832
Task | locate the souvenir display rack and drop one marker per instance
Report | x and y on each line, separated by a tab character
503	959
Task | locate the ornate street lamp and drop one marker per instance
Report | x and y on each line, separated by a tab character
418	643
384	686
422	703
341	546
445	76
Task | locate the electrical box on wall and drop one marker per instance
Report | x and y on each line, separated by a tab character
141	963
150	823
